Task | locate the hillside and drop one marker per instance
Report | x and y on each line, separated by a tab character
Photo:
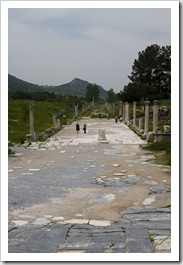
75	87
18	84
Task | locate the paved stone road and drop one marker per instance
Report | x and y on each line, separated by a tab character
74	194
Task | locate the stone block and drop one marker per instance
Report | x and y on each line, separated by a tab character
150	136
162	243
20	222
48	131
43	136
77	221
167	128
137	241
29	137
101	136
162	136
41	221
99	223
159	189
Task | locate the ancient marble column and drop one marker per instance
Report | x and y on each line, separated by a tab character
101	135
76	110
31	119
146	127
155	115
120	108
54	120
140	124
134	113
127	112
124	111
126	103
57	125
109	107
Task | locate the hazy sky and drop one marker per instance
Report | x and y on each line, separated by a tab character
53	46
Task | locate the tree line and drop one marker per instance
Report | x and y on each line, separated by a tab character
150	78
37	96
151	75
92	93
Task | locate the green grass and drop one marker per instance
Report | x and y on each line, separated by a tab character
165	102
159	146
163	158
18	117
161	150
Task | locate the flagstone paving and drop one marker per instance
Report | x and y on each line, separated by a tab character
74	194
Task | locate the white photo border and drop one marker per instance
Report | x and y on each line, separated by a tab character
174	255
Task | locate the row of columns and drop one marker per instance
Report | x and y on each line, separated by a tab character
84	108
124	110
32	136
56	122
155	116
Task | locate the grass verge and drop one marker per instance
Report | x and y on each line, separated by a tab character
162	152
18	117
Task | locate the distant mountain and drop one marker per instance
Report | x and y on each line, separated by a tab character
75	87
18	84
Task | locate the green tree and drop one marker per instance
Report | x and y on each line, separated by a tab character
137	92
92	92
111	96
151	74
162	74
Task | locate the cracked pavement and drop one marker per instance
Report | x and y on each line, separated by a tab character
72	193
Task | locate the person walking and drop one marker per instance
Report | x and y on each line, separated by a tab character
77	127
84	128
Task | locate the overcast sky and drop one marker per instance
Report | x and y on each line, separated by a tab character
54	46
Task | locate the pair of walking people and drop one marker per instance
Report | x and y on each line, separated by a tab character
78	127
